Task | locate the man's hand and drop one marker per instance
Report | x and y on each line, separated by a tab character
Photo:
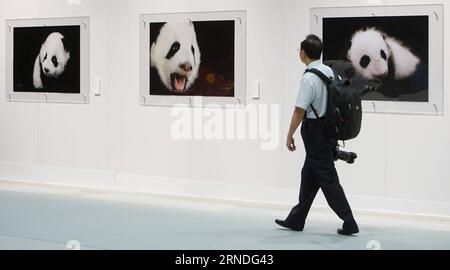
297	118
291	144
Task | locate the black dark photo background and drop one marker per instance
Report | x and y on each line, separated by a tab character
27	45
412	31
216	40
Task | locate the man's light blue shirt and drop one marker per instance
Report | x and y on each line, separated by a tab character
313	91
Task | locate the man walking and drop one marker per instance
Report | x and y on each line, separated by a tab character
319	171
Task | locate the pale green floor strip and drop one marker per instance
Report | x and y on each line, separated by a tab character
18	243
97	221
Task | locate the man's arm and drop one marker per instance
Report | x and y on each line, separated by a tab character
297	119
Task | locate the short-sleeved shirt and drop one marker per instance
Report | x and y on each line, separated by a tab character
313	91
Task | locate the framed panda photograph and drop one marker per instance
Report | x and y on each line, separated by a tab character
387	51
48	60
390	52
186	55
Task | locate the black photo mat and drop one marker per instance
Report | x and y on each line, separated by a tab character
411	31
216	74
26	48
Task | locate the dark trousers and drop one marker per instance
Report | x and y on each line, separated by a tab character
319	172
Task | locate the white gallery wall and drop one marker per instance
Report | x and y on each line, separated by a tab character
115	143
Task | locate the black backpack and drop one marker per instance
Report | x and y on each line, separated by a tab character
344	111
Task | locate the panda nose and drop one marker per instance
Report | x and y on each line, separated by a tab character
186	67
46	70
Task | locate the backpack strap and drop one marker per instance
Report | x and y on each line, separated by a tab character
320	74
315	111
324	78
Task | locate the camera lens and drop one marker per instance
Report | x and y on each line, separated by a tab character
348	157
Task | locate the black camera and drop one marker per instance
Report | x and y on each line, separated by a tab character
348	157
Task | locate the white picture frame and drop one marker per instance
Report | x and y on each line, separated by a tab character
83	97
435	12
239	17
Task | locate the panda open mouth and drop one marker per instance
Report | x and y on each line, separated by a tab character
179	82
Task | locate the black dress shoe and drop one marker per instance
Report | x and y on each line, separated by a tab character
348	231
284	224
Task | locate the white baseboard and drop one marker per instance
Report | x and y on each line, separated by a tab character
56	175
257	195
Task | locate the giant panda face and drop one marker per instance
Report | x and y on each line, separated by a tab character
369	53
176	56
53	55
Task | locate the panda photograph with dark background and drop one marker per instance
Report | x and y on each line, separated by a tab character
47	59
192	58
389	55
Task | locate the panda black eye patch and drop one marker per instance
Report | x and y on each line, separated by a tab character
55	61
365	61
173	50
383	54
45	57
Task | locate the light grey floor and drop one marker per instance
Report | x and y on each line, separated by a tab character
41	220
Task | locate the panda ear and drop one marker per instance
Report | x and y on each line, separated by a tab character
155	29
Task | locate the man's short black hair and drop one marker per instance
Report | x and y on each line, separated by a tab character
312	46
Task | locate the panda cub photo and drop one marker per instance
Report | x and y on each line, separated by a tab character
51	62
192	58
386	51
374	54
47	59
